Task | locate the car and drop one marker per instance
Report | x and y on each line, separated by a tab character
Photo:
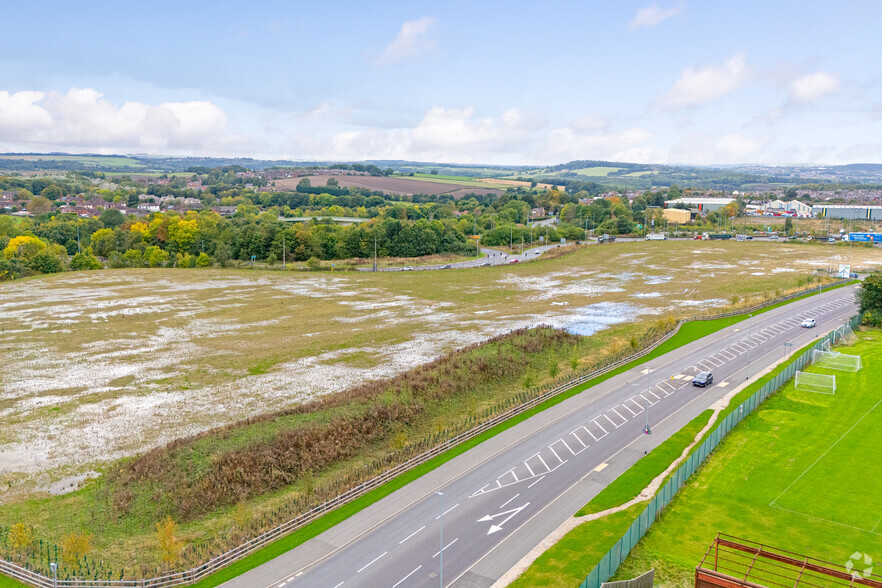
703	379
809	323
515	260
696	238
448	266
750	237
774	237
853	275
831	240
407	268
485	264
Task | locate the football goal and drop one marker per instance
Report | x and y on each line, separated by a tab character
820	383
836	361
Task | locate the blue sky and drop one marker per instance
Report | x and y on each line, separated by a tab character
491	82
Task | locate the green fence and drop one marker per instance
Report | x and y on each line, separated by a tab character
610	562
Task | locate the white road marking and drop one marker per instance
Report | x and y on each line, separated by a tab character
446	511
370	563
446	546
411	535
395	585
509	500
536	482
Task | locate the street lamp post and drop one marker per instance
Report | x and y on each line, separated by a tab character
646	431
54	567
441	541
789	348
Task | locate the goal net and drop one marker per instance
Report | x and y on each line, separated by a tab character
836	361
820	383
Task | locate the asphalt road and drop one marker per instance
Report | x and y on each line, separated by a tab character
501	498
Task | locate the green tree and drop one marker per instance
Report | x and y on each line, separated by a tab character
788	225
85	260
52	192
203	260
39	204
45	263
112	218
869	297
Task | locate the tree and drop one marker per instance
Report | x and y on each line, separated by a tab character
52	192
73	547
223	254
85	260
869	297
203	260
112	218
304	183
169	545
23	247
788	225
45	263
39	204
21	537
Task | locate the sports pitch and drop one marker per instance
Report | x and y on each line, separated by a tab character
801	473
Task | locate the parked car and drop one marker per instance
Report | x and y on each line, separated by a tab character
773	237
407	268
696	238
809	323
703	379
515	260
485	264
448	266
853	275
831	240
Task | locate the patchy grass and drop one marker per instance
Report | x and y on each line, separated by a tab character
782	477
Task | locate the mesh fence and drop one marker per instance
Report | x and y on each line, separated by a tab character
610	562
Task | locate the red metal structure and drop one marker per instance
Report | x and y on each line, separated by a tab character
731	562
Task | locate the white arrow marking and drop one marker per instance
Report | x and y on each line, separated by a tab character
494	527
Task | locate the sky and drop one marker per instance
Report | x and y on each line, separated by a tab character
517	83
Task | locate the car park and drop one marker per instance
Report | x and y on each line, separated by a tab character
703	379
809	323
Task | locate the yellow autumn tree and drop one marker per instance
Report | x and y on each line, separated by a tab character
73	547
169	545
21	537
23	246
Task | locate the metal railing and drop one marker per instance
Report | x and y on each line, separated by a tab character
199	572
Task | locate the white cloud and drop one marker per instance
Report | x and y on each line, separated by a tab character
700	85
82	119
412	41
653	15
578	142
811	87
705	148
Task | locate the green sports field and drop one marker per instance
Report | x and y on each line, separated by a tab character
800	474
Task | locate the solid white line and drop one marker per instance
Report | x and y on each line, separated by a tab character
555	452
605	432
624	420
446	511
509	500
568	447
536	482
411	535
338	585
532	473
366	566
446	546
579	439
628	409
406	577
539	455
395	585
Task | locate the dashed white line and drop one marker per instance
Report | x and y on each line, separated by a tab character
411	535
369	564
446	546
536	482
406	577
510	499
446	511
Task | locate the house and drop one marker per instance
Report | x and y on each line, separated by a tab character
537	213
225	210
148	207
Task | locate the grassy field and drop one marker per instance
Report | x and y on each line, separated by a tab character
86	160
796	474
598	171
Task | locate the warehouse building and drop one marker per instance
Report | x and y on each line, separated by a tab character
677	216
704	205
848	211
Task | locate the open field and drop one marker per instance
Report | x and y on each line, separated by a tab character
797	474
87	161
596	171
830	226
405	186
107	364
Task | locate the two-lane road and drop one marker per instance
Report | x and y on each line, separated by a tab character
484	510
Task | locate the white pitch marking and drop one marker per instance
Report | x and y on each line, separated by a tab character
366	566
411	535
406	577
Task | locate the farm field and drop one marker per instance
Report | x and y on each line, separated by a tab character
106	364
87	161
793	475
406	186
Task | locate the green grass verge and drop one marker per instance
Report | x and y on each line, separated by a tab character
798	473
580	549
629	485
7	582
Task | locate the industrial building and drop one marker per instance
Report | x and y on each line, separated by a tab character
677	216
848	211
704	205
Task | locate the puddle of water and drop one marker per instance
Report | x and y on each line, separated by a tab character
19	459
587	320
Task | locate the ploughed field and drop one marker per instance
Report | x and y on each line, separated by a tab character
102	365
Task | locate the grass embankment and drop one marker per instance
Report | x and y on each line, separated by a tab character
121	521
799	474
566	563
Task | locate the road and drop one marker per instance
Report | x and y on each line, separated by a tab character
501	498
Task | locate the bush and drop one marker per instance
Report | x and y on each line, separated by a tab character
314	263
45	263
203	260
85	260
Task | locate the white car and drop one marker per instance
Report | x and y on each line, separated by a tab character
809	323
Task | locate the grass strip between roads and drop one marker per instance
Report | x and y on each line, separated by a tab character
687	333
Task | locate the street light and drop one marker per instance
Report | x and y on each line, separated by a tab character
789	348
441	541
54	567
646	431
